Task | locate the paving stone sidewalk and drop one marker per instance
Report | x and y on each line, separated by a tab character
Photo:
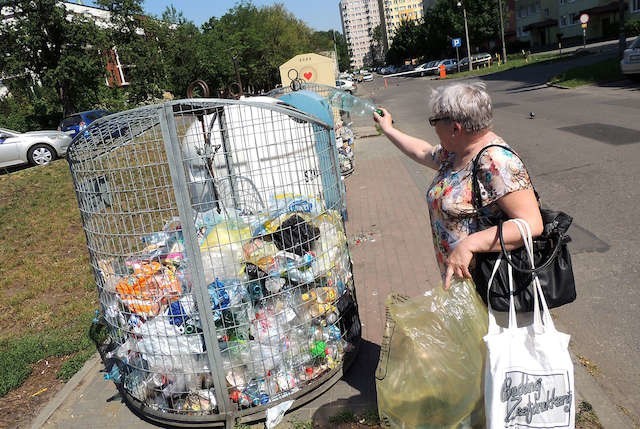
390	244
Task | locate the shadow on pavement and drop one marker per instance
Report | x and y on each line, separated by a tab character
360	376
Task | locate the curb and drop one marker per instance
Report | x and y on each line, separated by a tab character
70	386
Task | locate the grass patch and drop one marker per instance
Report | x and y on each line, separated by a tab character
586	418
514	61
47	291
368	418
17	356
603	71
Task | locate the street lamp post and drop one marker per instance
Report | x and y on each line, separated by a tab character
504	47
466	34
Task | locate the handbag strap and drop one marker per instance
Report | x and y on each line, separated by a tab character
477	203
477	199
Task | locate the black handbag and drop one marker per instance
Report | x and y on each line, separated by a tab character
551	257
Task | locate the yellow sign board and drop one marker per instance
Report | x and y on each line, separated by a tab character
312	68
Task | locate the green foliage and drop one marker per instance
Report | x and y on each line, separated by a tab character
56	61
16	113
443	21
406	42
632	27
48	59
603	71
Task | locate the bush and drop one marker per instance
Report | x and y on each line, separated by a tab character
15	114
632	27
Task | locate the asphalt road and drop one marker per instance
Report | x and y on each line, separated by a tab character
583	150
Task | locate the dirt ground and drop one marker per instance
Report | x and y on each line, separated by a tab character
20	406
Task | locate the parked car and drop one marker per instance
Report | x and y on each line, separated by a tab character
388	69
34	147
630	63
72	124
482	59
405	68
425	68
450	65
346	85
367	77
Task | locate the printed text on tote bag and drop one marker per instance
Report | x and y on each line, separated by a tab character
536	400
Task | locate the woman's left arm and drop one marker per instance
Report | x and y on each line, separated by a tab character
518	204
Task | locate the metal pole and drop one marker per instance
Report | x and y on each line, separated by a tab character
466	34
504	47
622	40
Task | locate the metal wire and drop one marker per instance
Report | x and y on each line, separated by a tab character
222	266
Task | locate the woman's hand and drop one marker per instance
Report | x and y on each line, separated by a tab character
458	264
383	120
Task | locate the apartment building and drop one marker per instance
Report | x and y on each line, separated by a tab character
396	11
546	22
359	18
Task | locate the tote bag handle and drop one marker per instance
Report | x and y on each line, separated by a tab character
539	299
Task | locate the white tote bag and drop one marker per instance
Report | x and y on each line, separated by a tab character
529	372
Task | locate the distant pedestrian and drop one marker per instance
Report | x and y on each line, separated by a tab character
462	116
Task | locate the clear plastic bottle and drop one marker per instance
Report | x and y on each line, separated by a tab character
352	104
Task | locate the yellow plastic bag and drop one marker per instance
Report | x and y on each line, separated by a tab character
431	359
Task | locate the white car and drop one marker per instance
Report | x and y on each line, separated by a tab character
346	85
630	63
426	68
367	77
34	147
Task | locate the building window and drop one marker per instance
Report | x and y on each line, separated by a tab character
574	18
546	11
563	21
635	6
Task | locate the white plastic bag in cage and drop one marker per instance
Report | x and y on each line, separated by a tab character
221	260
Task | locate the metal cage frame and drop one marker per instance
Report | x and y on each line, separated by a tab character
115	213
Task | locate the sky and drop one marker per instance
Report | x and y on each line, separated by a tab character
320	15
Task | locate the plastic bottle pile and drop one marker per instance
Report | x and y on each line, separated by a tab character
281	297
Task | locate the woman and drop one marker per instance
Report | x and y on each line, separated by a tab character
462	116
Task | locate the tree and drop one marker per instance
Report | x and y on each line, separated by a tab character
49	60
444	21
375	56
406	42
260	40
343	50
137	38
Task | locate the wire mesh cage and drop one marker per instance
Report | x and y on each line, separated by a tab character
215	232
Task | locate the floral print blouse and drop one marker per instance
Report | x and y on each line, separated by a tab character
450	195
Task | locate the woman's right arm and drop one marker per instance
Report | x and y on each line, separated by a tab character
417	149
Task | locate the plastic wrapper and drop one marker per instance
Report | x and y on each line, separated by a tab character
431	359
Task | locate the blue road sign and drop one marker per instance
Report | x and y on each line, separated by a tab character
456	43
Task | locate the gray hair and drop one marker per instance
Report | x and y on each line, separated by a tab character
467	103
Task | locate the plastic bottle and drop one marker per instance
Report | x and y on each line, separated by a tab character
352	104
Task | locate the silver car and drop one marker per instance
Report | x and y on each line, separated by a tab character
630	63
33	147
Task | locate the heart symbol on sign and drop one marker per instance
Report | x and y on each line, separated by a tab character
308	75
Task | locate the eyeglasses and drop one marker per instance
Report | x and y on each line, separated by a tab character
434	120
